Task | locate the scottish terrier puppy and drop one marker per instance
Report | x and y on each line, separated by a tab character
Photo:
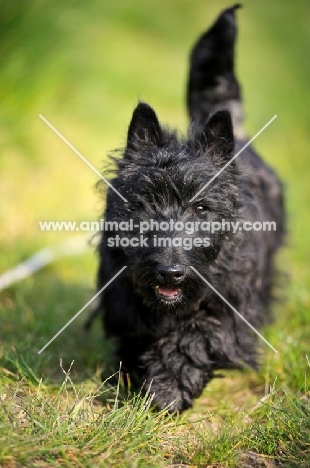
171	309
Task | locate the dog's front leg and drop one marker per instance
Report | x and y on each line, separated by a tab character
177	368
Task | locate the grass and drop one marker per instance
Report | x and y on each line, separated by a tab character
44	424
83	67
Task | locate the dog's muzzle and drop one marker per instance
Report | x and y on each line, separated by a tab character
169	278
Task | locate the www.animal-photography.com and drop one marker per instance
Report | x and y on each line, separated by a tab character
154	276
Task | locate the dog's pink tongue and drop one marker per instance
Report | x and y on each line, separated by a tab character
168	292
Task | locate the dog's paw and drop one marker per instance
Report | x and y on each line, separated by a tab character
172	399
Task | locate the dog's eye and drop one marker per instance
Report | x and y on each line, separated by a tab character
200	209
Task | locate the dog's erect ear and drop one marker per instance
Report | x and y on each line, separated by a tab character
144	128
218	135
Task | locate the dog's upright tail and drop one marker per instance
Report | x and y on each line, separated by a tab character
212	83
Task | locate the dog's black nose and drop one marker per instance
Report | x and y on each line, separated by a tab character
172	272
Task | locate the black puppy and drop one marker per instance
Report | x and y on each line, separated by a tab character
172	328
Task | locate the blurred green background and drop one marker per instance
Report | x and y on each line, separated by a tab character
84	65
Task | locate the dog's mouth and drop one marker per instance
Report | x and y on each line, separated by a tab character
168	294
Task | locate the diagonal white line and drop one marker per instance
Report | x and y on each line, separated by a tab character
82	157
233	158
235	310
43	257
83	308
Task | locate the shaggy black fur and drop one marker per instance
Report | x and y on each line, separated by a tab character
172	330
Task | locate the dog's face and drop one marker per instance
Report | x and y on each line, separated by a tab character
167	230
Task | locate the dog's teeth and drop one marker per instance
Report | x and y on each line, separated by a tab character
168	293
